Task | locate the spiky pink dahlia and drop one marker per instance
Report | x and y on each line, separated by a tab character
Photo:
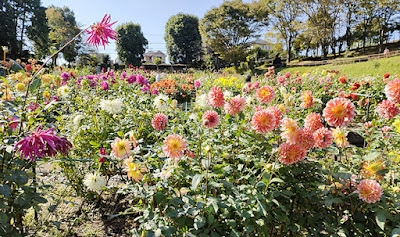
291	153
288	128
42	144
210	119
159	121
174	146
263	121
313	122
235	105
387	109
392	91
100	33
265	94
339	112
369	191
277	114
323	138
215	97
121	148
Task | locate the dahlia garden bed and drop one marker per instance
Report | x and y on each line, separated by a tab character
271	157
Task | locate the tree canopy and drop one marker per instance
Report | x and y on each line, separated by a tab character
183	38
131	43
229	29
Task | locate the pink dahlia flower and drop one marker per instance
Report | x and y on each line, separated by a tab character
174	146
265	94
277	114
215	98
159	121
339	112
197	83
101	32
369	191
392	91
313	122
42	144
304	138
323	138
288	128
210	119
235	105
291	153
263	121
387	109
121	148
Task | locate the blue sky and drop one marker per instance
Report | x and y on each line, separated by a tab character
152	15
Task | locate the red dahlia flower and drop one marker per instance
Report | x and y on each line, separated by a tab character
42	144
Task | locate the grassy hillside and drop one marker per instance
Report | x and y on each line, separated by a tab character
373	68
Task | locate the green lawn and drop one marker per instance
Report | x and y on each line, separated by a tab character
373	68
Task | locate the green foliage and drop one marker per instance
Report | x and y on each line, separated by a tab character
38	32
131	43
228	29
157	61
63	28
183	38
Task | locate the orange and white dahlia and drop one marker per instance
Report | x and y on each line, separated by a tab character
339	112
121	148
174	146
265	94
323	138
291	153
392	91
313	122
369	190
263	121
215	97
340	137
288	128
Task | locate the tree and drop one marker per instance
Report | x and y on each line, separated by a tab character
229	29
38	33
183	38
285	20
105	61
63	28
130	43
16	17
157	62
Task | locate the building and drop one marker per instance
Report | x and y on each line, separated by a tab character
262	44
151	55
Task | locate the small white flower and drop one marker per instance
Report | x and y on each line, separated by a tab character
161	102
227	95
201	101
249	100
64	91
95	182
78	119
112	107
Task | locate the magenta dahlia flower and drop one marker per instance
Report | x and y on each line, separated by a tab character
101	32
42	144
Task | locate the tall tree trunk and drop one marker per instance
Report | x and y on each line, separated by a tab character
289	50
22	32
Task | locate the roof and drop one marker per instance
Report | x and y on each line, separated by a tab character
151	53
260	41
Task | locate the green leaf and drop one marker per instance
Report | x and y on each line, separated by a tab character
199	222
396	232
5	190
330	201
196	181
381	219
234	233
94	144
372	155
35	84
262	207
18	177
214	203
278	180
